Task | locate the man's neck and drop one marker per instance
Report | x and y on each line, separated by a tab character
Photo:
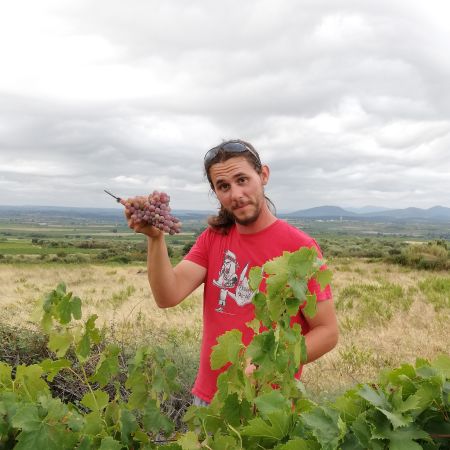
265	219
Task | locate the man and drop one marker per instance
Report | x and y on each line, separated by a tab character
245	233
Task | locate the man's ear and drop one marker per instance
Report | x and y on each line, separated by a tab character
265	172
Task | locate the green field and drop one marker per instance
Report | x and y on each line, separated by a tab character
37	242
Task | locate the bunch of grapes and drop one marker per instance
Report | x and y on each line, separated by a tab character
152	210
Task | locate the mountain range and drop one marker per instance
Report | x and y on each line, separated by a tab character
436	213
331	212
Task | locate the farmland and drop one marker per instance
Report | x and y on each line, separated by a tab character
390	309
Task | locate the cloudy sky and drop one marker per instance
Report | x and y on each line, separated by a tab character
348	102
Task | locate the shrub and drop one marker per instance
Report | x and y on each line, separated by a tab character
187	247
431	256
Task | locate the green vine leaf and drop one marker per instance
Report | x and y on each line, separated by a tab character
96	400
47	433
323	277
128	425
397	419
76	308
255	277
154	421
107	366
442	363
93	424
376	398
278	266
27	418
29	382
275	299
189	441
52	368
234	410
254	325
227	349
90	336
301	263
272	402
5	377
261	349
325	425
298	444
275	428
310	308
299	288
109	443
137	382
64	309
60	342
401	439
223	442
261	311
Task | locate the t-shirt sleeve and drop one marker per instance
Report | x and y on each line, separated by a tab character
198	252
313	285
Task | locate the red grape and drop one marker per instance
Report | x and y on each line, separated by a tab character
153	210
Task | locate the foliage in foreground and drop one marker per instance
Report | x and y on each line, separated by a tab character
407	408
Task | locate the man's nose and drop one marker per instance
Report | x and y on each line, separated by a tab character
236	192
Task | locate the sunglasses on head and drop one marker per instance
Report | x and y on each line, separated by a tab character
231	147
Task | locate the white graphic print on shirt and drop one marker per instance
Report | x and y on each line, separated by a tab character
228	279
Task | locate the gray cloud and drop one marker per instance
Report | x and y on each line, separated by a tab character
348	102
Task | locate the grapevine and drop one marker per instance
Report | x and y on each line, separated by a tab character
152	210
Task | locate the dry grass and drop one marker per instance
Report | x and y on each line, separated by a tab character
120	296
415	329
389	322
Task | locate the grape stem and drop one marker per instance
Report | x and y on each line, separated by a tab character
118	199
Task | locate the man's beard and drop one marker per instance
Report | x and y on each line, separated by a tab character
248	220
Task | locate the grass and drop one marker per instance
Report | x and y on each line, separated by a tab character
372	304
387	315
437	292
25	247
122	296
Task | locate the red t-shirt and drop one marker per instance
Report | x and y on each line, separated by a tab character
227	296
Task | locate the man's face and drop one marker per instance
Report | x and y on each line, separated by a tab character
239	188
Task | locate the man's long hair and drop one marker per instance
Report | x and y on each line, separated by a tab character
224	220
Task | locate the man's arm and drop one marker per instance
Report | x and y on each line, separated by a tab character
324	332
169	285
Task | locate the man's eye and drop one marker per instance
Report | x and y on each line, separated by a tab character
223	187
242	180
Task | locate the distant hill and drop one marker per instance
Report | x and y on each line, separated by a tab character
321	212
102	214
44	213
367	209
60	211
434	213
438	213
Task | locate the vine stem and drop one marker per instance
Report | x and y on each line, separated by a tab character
237	433
86	382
